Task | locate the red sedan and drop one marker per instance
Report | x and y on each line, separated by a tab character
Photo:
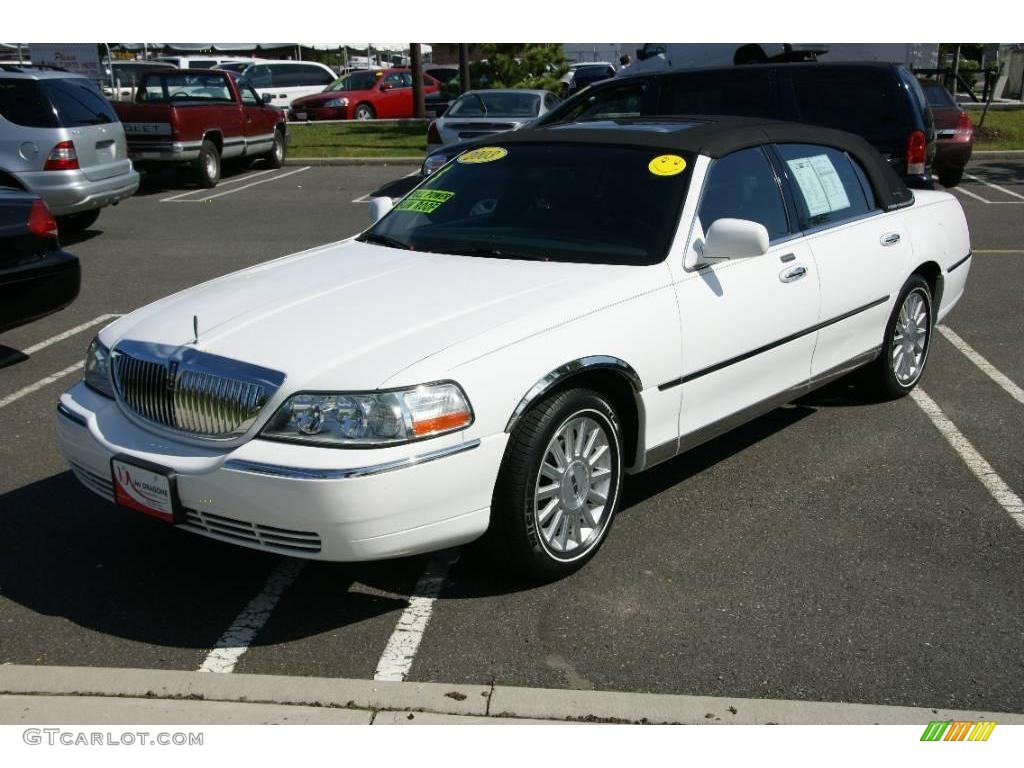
363	95
954	134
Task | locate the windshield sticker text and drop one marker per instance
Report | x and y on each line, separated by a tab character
483	155
424	200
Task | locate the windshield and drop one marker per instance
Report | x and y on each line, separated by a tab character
182	85
357	81
591	203
496	105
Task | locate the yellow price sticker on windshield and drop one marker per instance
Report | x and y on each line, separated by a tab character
667	165
483	155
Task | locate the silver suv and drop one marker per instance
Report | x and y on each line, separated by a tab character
60	139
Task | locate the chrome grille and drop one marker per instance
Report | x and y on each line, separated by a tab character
192	391
252	534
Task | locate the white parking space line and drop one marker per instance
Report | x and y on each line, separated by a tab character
975	462
239	636
61	336
996	187
14	397
968	192
986	367
235	180
399	653
208	198
363	199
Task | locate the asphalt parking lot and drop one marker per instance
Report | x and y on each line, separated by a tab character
833	550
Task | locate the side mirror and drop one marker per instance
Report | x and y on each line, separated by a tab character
267	98
640	55
386	86
731	239
378	207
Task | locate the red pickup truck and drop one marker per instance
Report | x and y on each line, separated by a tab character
199	117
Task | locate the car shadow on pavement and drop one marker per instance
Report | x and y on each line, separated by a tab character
174	178
74	238
67	553
1000	171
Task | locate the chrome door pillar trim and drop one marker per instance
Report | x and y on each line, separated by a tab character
572	368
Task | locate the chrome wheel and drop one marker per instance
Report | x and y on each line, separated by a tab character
278	149
574	492
910	338
210	164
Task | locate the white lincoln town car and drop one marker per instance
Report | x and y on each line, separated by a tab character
536	319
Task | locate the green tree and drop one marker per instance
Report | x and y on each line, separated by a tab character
519	65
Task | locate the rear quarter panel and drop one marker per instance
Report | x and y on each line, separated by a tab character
939	234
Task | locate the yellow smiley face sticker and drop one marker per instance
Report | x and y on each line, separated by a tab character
483	155
667	165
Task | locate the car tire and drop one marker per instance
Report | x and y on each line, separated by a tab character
77	222
207	165
364	112
275	157
908	336
950	178
542	527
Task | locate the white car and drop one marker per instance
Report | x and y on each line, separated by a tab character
286	80
480	113
535	320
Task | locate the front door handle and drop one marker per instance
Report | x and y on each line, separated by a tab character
891	239
792	274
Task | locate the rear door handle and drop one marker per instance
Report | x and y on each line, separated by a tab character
792	274
891	239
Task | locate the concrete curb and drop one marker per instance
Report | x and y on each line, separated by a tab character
440	700
997	154
329	161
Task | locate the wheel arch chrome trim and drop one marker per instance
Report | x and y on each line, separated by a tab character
569	370
306	473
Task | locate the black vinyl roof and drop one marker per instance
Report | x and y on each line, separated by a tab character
720	136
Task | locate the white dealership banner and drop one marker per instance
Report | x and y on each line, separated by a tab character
80	58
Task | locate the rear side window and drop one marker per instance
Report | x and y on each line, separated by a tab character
745	92
22	102
938	96
616	101
299	74
260	76
743	186
862	100
78	102
829	187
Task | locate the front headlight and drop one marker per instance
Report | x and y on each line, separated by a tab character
97	368
336	103
433	162
371	419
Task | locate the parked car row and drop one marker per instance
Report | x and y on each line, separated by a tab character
884	103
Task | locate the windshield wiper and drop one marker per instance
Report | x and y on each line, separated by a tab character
390	242
495	253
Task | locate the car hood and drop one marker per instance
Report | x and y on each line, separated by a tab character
352	315
316	99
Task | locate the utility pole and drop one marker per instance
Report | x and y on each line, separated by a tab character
419	108
464	67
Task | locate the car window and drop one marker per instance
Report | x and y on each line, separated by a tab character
357	81
740	91
828	185
551	101
398	80
615	101
185	85
938	96
201	63
312	75
496	104
743	186
591	203
249	96
862	100
22	102
260	76
78	102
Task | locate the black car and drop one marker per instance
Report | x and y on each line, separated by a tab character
37	278
882	102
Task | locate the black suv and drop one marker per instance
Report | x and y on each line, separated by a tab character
881	102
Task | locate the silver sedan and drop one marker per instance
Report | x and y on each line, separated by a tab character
479	113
